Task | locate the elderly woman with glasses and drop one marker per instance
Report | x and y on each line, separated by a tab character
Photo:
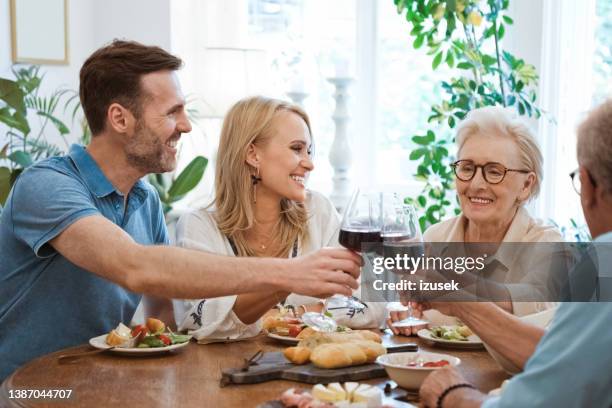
498	170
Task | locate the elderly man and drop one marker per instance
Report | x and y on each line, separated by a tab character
570	366
83	235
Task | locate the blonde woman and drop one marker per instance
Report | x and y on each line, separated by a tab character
262	208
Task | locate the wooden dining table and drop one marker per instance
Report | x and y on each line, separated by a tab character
189	377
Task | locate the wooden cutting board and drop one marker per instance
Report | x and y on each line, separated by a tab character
274	366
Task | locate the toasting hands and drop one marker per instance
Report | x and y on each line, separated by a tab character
324	273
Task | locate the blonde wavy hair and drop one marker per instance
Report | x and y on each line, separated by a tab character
249	122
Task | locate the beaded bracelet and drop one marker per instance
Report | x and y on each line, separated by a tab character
451	388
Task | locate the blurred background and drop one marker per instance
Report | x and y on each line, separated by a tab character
291	48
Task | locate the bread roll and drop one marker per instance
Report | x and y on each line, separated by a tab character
371	349
370	335
333	355
297	355
308	331
319	338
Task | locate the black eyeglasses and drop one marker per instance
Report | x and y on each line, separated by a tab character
575	176
575	180
492	172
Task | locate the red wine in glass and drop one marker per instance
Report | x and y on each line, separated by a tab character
401	244
354	238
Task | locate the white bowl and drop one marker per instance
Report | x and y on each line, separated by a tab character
396	365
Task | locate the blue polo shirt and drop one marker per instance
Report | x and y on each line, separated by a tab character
46	302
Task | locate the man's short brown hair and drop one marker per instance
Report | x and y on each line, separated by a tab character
112	74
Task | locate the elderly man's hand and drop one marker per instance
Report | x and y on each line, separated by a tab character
438	381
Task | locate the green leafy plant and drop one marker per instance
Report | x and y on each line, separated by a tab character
21	102
465	35
172	189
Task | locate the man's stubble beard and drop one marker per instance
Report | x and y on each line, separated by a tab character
146	152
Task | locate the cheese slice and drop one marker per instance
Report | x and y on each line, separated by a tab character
372	396
322	393
350	388
351	395
338	390
123	331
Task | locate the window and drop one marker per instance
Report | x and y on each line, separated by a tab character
575	76
306	41
390	100
407	88
602	61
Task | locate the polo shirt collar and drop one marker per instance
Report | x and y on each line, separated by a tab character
90	171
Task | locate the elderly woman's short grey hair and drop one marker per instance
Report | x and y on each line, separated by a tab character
495	121
595	144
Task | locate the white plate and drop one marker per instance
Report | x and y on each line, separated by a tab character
473	341
283	339
100	343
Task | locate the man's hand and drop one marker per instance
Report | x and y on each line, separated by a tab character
439	380
324	273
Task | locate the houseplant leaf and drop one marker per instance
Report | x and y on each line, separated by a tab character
5	184
12	95
21	158
188	179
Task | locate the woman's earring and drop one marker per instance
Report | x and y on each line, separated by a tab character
255	179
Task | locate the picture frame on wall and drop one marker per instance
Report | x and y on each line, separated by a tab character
39	31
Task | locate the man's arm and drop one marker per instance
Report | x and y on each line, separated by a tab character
99	246
514	339
571	367
505	333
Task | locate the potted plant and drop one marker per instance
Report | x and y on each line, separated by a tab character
459	33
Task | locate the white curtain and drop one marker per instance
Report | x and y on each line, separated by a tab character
566	78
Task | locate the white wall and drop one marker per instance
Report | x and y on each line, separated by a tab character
91	24
146	21
524	37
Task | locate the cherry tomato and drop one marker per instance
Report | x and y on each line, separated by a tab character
294	330
165	339
141	328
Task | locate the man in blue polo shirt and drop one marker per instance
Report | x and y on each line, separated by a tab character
81	236
572	363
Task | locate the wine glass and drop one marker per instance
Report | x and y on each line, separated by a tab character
401	235
360	227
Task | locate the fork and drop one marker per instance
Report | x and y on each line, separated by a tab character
72	357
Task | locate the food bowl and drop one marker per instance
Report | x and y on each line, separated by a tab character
398	369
